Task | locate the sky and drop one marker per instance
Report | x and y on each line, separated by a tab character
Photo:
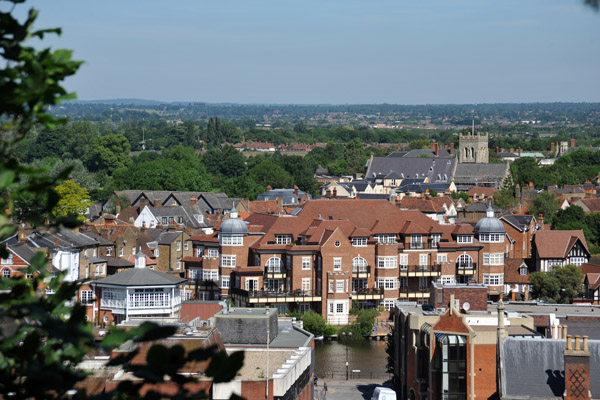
330	51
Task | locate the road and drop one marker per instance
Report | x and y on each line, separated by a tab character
357	389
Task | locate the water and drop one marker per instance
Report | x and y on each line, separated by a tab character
365	355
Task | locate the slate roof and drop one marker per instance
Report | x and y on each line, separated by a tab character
556	244
534	368
22	250
168	237
141	277
186	213
435	168
474	172
65	238
428	152
118	262
288	195
520	222
482	207
372	196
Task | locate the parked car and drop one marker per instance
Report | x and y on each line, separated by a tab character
383	393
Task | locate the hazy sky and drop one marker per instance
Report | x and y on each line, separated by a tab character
330	51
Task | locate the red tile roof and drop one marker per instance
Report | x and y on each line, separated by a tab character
556	244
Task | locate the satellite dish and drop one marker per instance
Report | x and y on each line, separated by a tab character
466	306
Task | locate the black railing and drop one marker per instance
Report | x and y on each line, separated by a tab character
366	269
274	293
368	291
466	265
420	268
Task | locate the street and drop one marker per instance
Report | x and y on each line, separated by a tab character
357	389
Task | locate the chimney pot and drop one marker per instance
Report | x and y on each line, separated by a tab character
569	342
585	344
577	343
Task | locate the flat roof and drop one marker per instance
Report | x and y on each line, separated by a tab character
247	313
545	309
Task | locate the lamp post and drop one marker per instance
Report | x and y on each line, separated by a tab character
346	343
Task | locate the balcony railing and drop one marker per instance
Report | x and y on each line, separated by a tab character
466	265
298	293
372	290
406	269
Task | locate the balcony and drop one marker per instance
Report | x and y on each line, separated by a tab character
466	268
367	294
421	270
275	273
406	293
361	272
266	296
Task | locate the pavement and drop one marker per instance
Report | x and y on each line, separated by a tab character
354	389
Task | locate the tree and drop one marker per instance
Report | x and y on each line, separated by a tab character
108	153
545	203
44	337
73	200
560	285
390	350
315	324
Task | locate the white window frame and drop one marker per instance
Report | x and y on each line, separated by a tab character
464	239
442	258
179	245
416	241
359	264
9	260
447	280
283	239
306	283
359	241
493	258
387	262
387	304
491	237
493	279
423	260
331	286
228	261
121	252
231	240
435	239
387	283
423	283
339	286
87	297
274	264
186	245
386	239
306	263
403	261
213	253
337	263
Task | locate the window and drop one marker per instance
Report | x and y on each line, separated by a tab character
8	260
403	261
109	251
493	258
491	237
387	283
306	284
423	260
493	279
179	263
179	245
133	251
387	304
171	220
274	285
442	258
231	240
6	273
403	282
465	261
213	253
453	362
386	239
339	286
304	307
577	261
228	261
358	284
423	283
94	252
523	270
151	297
337	263
28	275
156	252
464	239
305	263
359	241
331	286
210	275
339	308
387	262
331	305
446	279
164	220
283	239
274	264
186	245
121	252
87	297
416	242
199	251
435	239
359	264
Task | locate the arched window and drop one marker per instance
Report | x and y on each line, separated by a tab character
359	264
464	261
473	153
274	264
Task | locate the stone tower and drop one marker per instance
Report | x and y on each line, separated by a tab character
473	148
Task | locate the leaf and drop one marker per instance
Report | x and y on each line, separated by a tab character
224	368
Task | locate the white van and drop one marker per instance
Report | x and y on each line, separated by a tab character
383	393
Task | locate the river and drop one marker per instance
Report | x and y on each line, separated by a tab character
365	355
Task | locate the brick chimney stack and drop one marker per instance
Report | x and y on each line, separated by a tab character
452	148
552	147
435	147
577	369
572	142
269	187
541	221
335	192
193	201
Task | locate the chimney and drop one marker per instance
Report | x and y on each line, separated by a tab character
335	192
328	193
577	369
118	208
541	221
193	201
572	142
296	191
518	192
435	147
269	188
143	203
552	147
452	148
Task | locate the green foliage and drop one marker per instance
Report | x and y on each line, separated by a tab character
419	144
363	325
460	195
433	192
560	285
545	203
73	200
315	324
108	153
574	218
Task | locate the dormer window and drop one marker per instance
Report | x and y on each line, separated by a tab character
491	237
386	239
231	240
359	241
164	220
199	218
523	270
283	239
464	239
435	239
416	242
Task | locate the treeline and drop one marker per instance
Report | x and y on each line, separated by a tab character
451	113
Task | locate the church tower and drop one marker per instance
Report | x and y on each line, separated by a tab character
473	148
